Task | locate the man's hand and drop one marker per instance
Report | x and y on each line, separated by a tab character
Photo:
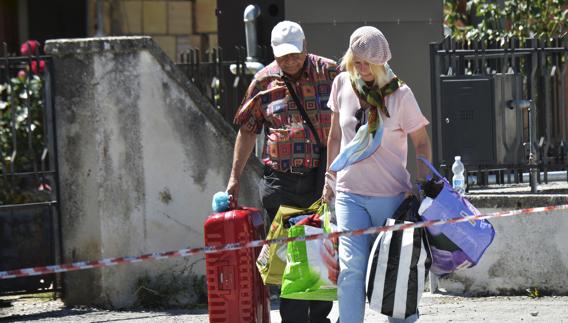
233	190
244	145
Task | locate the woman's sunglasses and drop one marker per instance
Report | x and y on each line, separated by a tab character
360	119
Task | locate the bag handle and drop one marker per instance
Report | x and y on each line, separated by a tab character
435	172
432	168
315	207
302	111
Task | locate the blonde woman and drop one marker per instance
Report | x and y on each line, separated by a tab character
374	112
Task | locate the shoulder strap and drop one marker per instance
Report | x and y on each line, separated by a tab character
302	111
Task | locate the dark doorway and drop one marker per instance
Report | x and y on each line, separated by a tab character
9	23
41	20
231	28
57	19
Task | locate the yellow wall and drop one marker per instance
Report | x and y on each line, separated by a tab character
176	25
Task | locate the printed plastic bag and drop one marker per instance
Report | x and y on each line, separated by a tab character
459	245
272	259
312	266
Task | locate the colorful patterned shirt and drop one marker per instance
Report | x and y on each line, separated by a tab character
289	143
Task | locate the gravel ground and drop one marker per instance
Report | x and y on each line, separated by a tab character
433	308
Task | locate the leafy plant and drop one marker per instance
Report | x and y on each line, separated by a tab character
533	293
21	135
488	20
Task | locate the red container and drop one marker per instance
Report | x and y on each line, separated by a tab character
236	293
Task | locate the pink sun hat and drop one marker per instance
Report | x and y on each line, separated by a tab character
370	44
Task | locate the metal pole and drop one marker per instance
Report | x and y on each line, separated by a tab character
435	114
532	157
6	80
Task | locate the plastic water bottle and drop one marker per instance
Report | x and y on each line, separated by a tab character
458	180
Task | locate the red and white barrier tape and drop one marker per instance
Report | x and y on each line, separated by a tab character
35	271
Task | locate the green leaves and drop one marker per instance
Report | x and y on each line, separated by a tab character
21	138
21	115
533	293
485	19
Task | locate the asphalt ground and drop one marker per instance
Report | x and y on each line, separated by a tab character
437	307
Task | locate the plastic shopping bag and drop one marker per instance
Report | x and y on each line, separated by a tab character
272	259
398	265
311	269
459	245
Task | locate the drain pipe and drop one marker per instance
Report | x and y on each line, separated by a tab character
252	65
251	13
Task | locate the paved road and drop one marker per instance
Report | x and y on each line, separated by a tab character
434	308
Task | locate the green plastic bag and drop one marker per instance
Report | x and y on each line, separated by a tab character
272	258
307	274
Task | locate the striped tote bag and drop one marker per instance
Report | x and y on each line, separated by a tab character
398	265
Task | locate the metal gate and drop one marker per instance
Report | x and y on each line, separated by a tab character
29	209
502	107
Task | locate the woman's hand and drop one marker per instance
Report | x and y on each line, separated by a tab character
328	193
415	191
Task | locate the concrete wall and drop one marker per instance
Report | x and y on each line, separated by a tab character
529	251
141	152
410	26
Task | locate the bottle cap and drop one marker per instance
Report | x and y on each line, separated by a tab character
457	158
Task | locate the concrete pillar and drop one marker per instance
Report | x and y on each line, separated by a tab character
141	153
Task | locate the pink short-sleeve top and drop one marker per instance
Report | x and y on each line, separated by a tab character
383	173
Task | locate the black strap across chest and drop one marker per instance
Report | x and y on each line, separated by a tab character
302	111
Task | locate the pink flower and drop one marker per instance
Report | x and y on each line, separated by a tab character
29	47
44	187
38	66
22	75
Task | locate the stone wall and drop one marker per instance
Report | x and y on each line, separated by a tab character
141	153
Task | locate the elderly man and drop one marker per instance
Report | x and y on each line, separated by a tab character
288	98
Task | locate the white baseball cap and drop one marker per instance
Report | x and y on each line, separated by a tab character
287	38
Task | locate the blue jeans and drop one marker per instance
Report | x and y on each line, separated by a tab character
354	212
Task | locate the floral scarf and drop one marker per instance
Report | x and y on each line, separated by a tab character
369	136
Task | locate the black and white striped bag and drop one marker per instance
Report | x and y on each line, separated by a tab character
398	265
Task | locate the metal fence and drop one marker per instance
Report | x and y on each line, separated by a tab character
29	209
502	107
223	82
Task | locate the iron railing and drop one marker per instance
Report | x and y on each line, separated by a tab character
212	75
30	232
539	68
